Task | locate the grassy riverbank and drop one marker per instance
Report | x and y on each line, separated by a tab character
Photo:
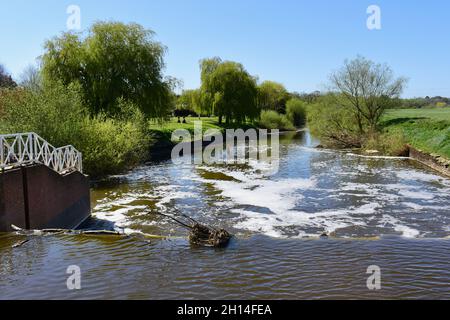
164	130
424	129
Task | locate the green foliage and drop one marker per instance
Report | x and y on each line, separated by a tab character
191	100
334	122
296	112
273	120
114	61
111	146
351	116
427	102
272	96
230	89
368	89
392	143
58	115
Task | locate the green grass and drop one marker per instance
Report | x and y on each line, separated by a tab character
424	129
172	124
434	114
164	130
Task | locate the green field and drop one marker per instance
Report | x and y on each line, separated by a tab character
424	129
164	130
172	124
435	114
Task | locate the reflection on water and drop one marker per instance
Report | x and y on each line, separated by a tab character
276	219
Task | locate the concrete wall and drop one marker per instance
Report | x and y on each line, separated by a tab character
434	161
36	197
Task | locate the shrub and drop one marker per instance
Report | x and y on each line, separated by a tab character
112	146
389	143
273	120
296	112
334	123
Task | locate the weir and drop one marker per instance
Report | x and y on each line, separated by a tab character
41	186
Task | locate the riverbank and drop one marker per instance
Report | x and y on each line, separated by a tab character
426	132
161	133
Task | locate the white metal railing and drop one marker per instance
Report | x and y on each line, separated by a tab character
29	148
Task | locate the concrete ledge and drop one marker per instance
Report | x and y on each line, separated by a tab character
435	162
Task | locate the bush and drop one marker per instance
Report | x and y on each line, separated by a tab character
389	143
296	112
273	120
57	114
334	123
111	146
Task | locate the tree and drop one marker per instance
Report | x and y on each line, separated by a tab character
31	78
191	100
367	88
231	89
114	61
296	112
333	122
6	80
272	96
207	67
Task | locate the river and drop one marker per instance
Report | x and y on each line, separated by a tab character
389	212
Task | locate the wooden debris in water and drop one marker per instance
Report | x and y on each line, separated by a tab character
64	231
203	235
20	243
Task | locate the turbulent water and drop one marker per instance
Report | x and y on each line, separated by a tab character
314	191
389	212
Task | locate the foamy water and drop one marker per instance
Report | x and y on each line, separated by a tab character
315	191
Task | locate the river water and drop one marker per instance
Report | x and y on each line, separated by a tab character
389	212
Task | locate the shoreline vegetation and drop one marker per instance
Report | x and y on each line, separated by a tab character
104	91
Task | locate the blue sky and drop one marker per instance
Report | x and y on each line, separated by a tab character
295	42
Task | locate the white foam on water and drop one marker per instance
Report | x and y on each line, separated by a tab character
413	206
421	195
277	196
407	231
329	220
118	210
414	175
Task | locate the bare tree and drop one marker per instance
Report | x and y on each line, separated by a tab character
31	78
368	88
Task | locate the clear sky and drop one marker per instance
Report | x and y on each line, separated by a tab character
295	42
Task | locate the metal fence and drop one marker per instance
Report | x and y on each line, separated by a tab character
29	148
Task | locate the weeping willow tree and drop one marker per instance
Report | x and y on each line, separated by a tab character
113	61
230	89
272	96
